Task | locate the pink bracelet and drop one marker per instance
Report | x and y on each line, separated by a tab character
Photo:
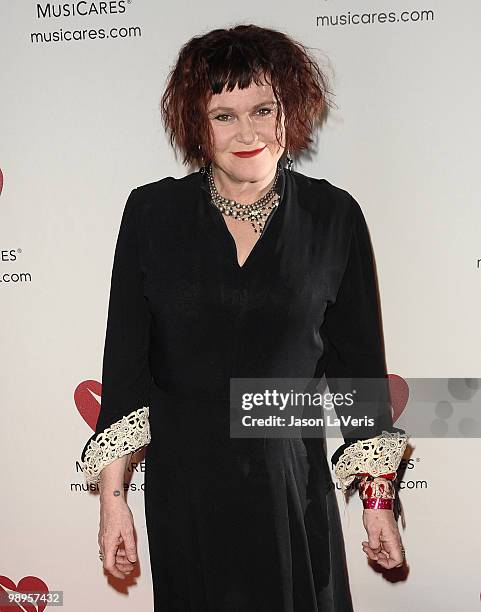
377	503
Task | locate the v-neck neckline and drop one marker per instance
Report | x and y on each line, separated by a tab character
220	222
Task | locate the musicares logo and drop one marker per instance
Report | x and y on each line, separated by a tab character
82	8
87	399
399	391
27	584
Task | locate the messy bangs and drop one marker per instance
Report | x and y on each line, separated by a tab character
222	60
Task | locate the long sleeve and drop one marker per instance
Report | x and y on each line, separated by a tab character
123	425
352	335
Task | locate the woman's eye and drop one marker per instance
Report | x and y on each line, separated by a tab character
263	112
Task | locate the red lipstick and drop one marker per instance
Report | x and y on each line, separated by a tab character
248	153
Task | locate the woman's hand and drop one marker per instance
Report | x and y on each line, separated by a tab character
384	545
116	538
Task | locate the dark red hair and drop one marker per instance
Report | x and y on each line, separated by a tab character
241	55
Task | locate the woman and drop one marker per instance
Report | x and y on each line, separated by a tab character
243	268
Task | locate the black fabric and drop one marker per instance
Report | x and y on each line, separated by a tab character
237	524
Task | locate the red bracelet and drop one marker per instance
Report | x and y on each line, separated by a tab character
377	503
374	493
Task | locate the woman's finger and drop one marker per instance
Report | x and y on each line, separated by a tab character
391	555
110	549
124	564
392	547
119	563
124	567
372	555
129	544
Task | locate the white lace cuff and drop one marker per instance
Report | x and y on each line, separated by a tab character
126	435
379	455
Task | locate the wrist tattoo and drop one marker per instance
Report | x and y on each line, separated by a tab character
116	492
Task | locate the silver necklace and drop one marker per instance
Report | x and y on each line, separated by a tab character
256	213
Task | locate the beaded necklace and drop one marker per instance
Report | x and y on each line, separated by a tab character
256	213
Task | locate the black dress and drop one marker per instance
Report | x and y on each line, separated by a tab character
235	525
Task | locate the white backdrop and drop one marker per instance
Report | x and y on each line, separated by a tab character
80	127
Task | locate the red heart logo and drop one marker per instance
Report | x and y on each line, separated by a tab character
26	584
85	398
399	391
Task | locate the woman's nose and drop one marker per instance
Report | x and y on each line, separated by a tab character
247	133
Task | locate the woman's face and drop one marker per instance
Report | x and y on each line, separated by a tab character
244	120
